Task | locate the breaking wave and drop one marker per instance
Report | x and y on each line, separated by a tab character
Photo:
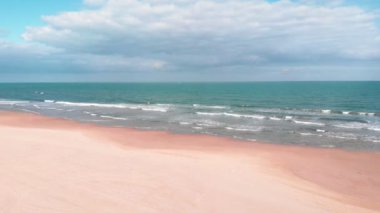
144	107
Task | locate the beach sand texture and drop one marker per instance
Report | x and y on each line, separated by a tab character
55	165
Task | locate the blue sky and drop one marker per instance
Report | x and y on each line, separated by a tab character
15	15
189	40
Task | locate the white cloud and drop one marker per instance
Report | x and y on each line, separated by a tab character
268	30
209	34
114	62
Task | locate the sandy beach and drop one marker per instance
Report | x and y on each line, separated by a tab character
56	165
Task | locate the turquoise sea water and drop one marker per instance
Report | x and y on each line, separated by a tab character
328	114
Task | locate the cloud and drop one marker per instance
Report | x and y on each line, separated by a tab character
160	28
209	35
36	58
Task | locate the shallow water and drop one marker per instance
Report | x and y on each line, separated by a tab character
326	114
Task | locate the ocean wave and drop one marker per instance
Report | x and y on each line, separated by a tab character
275	119
90	104
373	139
209	113
367	113
259	117
8	102
315	112
308	134
184	123
197	127
52	108
208	107
243	129
49	101
113	117
146	107
352	125
308	123
208	123
205	125
152	108
374	128
345	136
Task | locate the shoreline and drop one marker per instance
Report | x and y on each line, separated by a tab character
323	178
260	141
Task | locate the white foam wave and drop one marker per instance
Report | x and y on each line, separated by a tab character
373	139
6	102
260	117
353	125
374	128
152	108
209	113
308	123
307	134
288	117
345	137
90	104
184	123
114	118
52	108
208	123
48	101
147	107
243	129
320	130
208	107
345	112
367	113
274	118
327	111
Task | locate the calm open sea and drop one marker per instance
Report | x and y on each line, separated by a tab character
327	114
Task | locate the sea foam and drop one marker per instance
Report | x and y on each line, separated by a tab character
308	123
146	107
235	115
113	117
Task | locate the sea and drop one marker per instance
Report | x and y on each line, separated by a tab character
322	114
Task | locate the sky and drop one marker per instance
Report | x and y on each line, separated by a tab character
189	40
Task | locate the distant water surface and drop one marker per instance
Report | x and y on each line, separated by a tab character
326	114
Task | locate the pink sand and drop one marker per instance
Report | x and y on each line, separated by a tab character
54	165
